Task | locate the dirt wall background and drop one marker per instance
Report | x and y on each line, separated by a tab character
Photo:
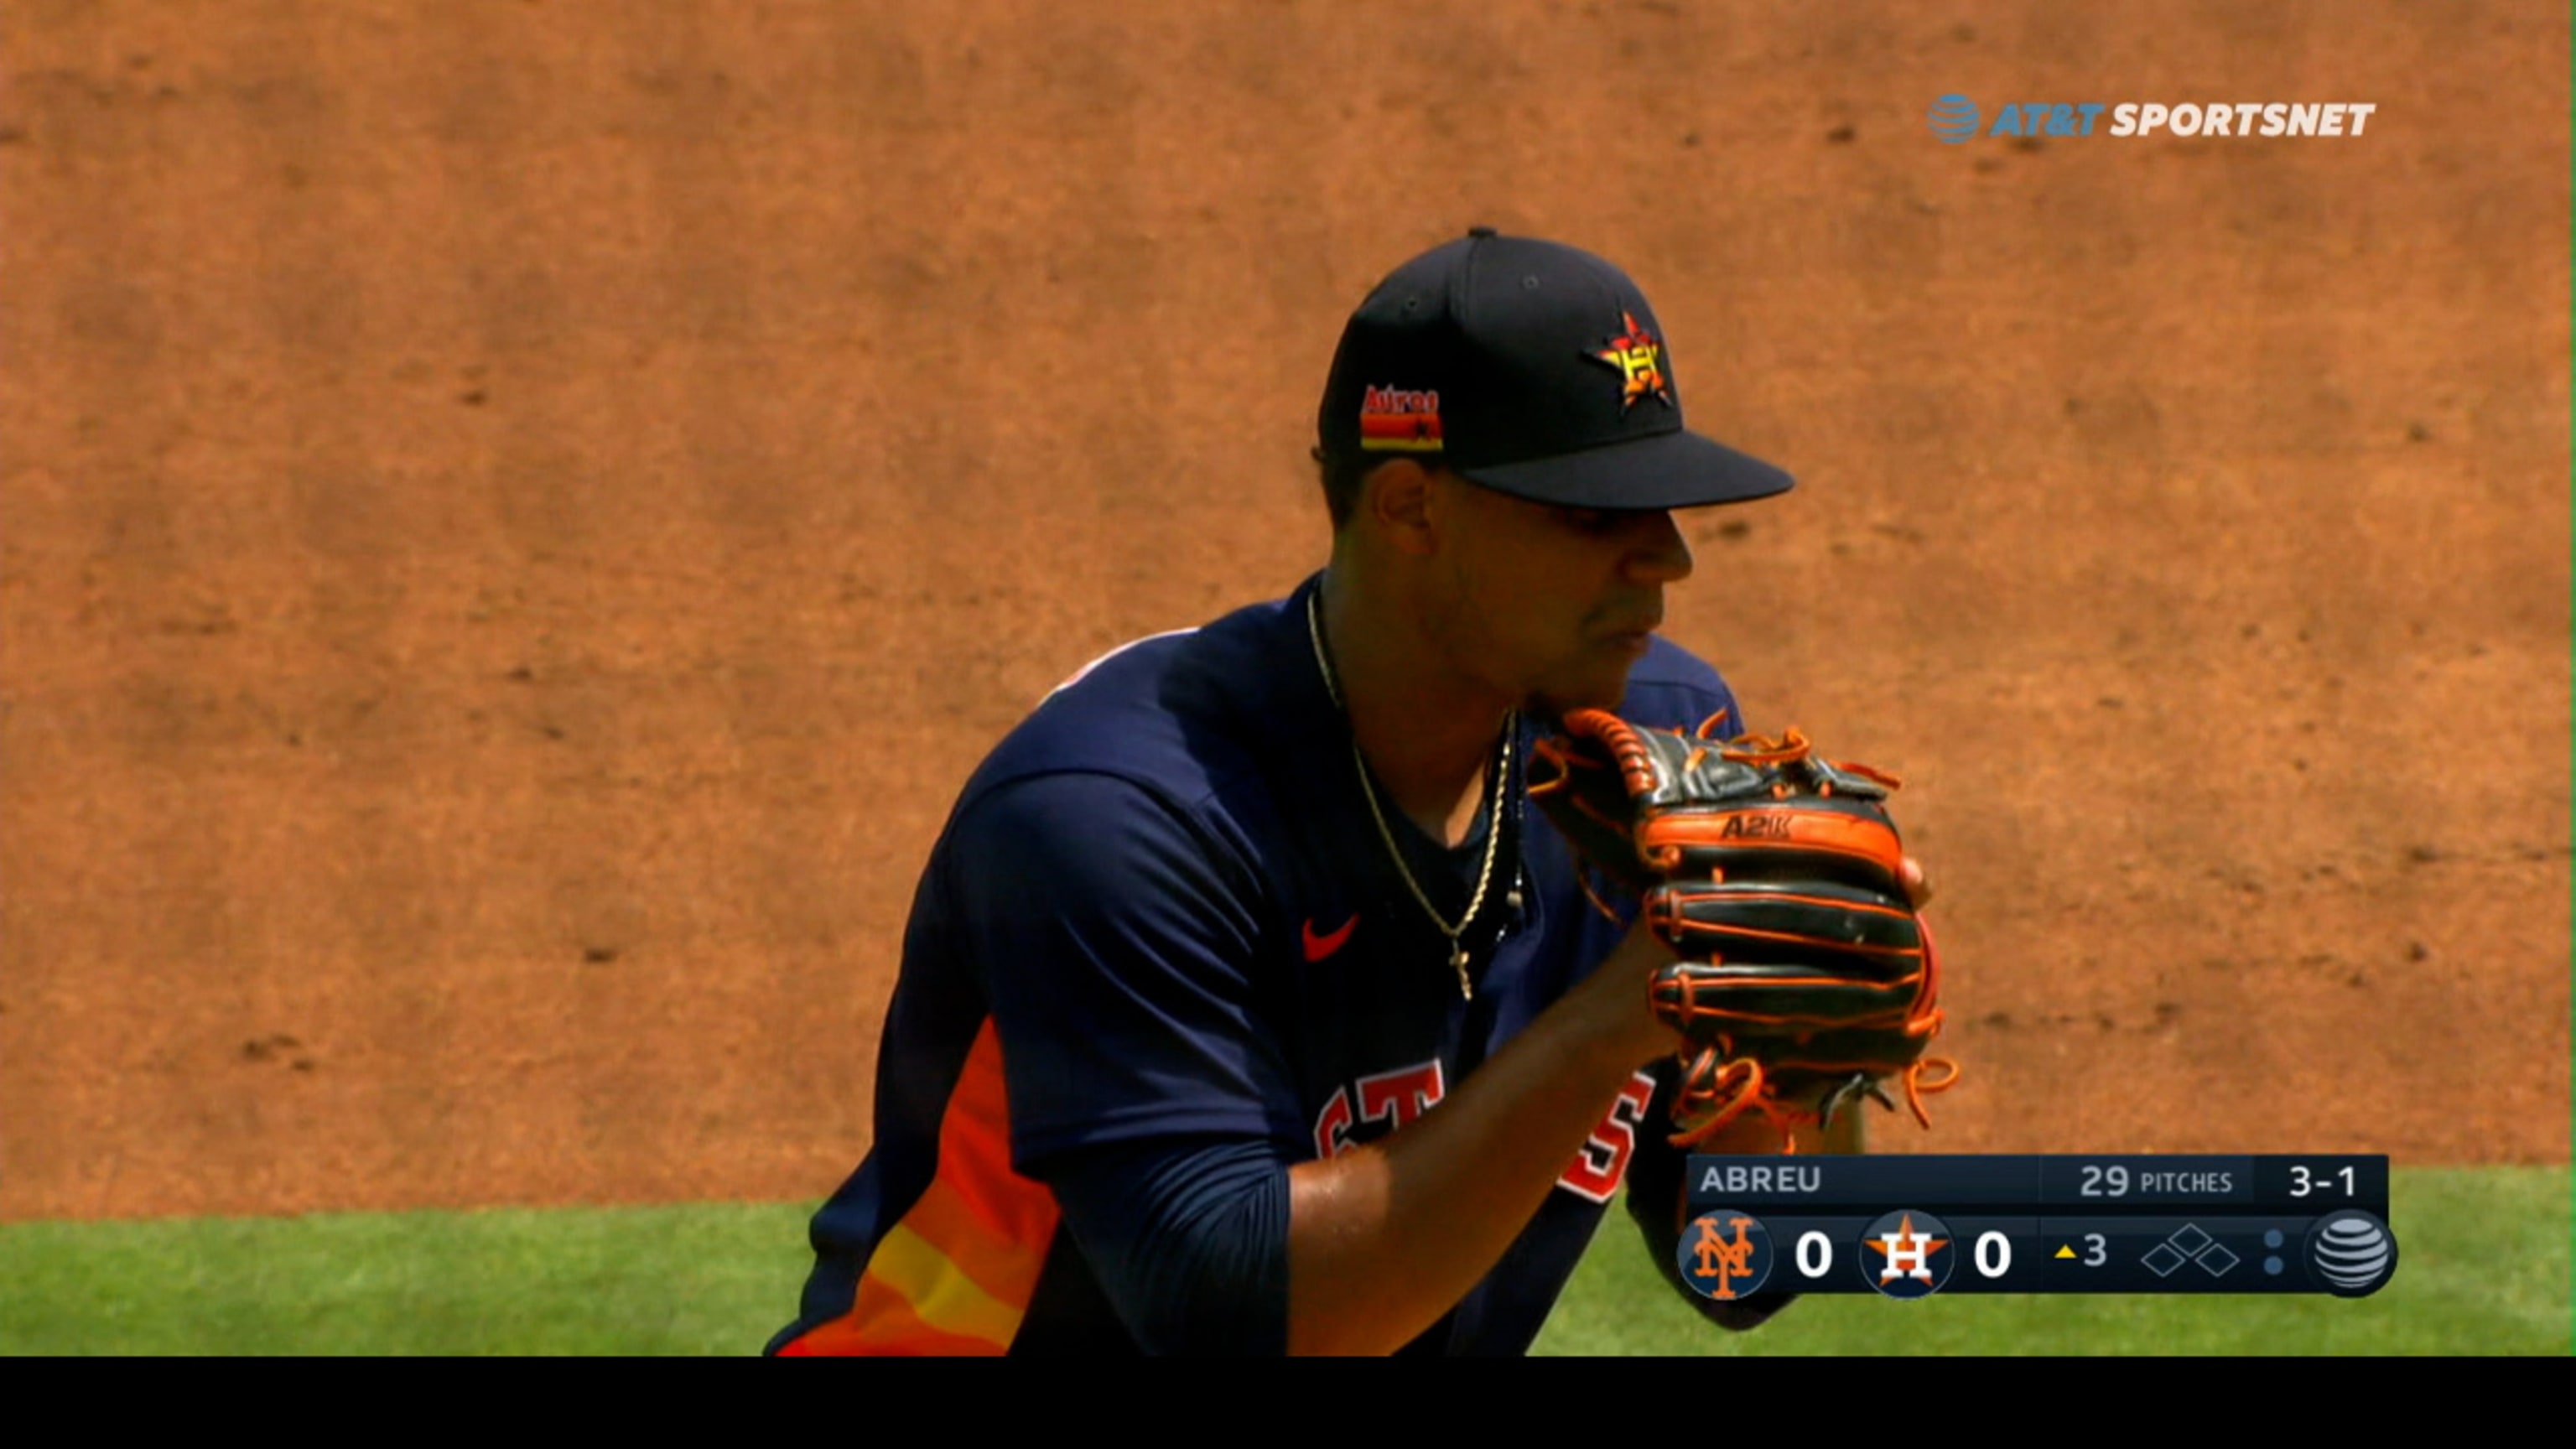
516	518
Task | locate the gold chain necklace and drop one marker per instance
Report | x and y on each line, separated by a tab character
1368	791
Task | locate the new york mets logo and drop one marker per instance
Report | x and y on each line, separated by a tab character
1721	1267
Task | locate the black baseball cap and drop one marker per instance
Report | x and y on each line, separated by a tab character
1532	368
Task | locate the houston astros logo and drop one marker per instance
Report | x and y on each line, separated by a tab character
1639	357
1400	420
1725	1254
1906	1254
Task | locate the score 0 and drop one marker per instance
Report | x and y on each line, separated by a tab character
1815	1254
1992	1254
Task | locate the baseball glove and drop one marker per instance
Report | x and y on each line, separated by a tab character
1806	972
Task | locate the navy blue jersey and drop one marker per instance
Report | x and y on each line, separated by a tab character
1162	910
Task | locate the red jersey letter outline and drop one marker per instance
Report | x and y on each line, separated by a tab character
1395	1098
1601	1164
1403	1094
1333	1125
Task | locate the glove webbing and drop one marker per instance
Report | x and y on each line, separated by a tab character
1634	769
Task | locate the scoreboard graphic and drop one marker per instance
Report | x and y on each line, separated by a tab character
1910	1227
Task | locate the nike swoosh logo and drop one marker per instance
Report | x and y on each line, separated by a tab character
1319	947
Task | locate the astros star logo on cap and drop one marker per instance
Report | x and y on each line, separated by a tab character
1639	357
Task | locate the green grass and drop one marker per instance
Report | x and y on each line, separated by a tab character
715	1279
2485	1271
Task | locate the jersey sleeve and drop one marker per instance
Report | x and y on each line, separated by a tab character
1187	1239
1114	940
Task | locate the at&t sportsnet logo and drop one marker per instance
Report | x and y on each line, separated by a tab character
1957	120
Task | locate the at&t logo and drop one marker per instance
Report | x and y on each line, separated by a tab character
1953	118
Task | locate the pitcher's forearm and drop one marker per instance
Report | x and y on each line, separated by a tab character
1384	1239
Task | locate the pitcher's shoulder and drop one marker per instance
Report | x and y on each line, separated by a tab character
1673	688
1177	711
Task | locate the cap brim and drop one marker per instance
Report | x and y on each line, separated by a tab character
1670	470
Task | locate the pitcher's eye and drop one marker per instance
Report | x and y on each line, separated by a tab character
1589	520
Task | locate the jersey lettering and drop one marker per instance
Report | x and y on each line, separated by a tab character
1601	1163
1333	1126
1395	1098
1401	1095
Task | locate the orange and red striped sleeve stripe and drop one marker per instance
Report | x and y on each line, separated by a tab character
955	1275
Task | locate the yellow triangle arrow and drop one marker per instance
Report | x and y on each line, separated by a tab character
2066	1252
